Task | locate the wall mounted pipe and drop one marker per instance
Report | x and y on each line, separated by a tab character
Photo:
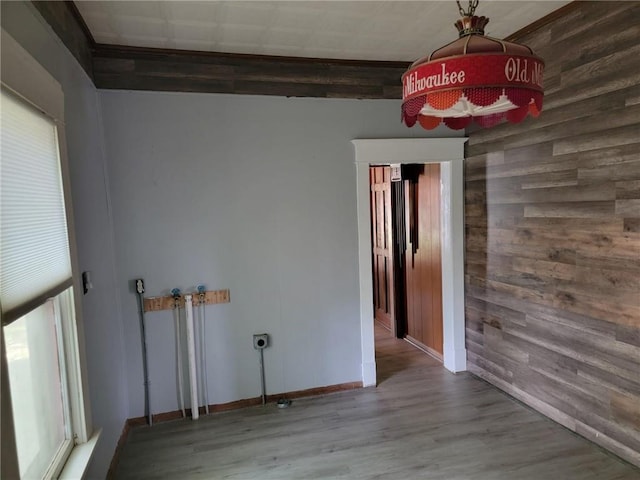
145	364
176	317
263	383
191	350
203	347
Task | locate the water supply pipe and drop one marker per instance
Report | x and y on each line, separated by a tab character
191	351
176	317
203	347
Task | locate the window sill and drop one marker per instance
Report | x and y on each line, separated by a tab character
79	459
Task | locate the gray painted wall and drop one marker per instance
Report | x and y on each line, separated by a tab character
255	194
103	326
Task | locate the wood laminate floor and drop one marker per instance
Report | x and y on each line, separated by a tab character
421	422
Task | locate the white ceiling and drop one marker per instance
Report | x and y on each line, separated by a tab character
358	30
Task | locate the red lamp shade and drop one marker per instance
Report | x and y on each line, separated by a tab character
473	78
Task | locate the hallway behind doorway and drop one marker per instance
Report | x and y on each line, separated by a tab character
406	235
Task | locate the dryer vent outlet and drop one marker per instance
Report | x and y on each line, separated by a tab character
261	341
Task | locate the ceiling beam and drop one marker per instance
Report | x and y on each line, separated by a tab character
67	23
118	67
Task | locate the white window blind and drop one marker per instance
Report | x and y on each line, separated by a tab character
34	245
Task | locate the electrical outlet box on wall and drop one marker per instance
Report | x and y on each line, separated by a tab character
261	341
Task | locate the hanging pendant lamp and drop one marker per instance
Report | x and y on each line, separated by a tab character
476	78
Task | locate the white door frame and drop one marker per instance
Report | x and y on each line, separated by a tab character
449	153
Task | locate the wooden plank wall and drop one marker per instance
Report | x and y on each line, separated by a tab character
553	234
134	68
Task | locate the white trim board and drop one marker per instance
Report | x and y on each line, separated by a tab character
449	153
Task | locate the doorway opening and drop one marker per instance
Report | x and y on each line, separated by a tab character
449	153
406	255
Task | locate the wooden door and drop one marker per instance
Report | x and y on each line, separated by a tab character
423	265
381	233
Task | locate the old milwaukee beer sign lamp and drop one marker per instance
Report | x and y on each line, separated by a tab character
473	78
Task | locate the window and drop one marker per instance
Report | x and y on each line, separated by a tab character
42	367
39	398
